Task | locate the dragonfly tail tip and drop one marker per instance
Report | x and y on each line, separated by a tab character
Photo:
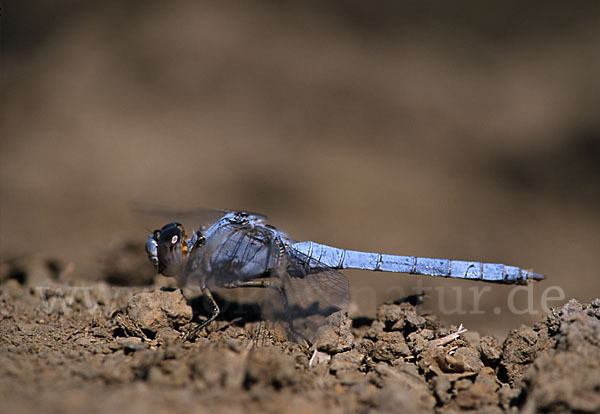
536	277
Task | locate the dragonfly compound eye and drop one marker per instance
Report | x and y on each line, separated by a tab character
172	249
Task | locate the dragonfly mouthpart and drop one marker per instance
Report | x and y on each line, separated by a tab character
152	249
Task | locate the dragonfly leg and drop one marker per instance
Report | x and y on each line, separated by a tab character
288	316
192	335
266	283
252	283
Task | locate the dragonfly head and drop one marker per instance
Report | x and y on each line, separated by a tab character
167	249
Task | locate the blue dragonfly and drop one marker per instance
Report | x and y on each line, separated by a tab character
241	250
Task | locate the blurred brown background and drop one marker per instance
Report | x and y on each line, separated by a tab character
461	130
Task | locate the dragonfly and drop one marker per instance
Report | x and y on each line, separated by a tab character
241	250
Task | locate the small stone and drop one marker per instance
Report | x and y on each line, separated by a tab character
335	338
84	341
374	330
165	336
390	314
128	344
346	361
389	346
154	310
382	352
398	326
427	334
465	359
365	346
414	320
490	350
417	342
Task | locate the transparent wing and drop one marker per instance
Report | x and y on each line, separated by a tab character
202	216
312	294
